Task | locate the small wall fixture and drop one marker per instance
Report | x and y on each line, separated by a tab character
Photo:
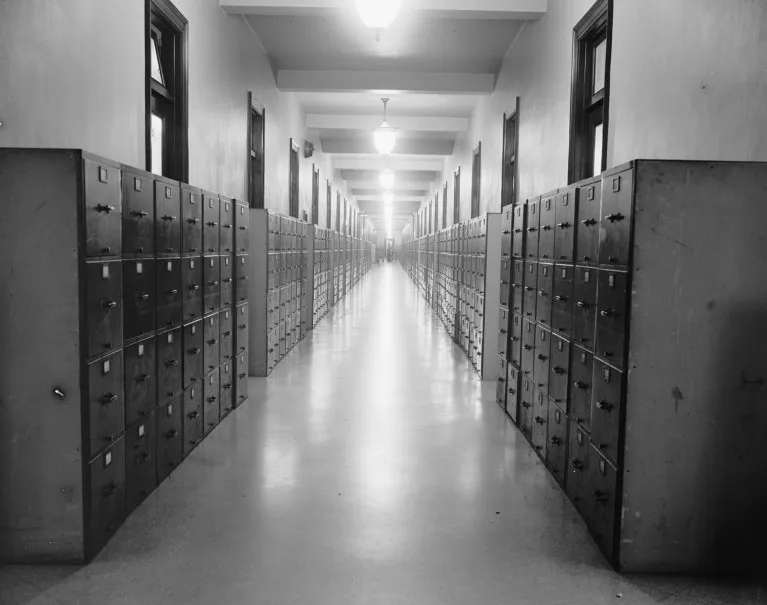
385	137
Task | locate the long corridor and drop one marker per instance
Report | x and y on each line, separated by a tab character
371	467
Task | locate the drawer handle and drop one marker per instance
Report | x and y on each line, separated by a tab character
139	213
172	292
617	216
527	347
558	370
194	286
604	406
144	413
211	399
144	378
211	223
559	298
514	338
513	391
564	225
171	362
108	398
577	465
142	296
517	230
109	490
607	313
583	304
212	341
212	283
226	226
243	277
194	414
242	228
539	420
526	405
581	386
501	380
243	326
600	496
168	217
194	351
542	293
589	221
531	229
226	280
145	457
108	304
243	375
171	434
193	221
546	228
228	385
503	331
104	208
542	357
227	334
556	440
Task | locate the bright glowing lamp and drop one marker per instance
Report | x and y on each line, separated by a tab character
385	137
378	14
387	179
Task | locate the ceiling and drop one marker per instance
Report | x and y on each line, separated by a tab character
434	62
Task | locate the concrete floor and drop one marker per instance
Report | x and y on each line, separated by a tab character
371	467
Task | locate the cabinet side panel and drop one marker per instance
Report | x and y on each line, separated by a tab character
41	492
492	296
694	480
258	288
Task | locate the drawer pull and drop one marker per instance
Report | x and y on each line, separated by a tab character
581	386
556	440
144	378
172	292
539	420
503	331
211	223
243	277
517	230
589	221
531	229
527	347
171	362
142	296
194	414
139	213
104	208
145	457
243	326
109	490
226	280
168	217
194	287
501	380
607	313
559	298
615	217
108	398
513	391
212	341
243	375
228	385
242	228
194	351
542	357
542	293
546	228
600	496
516	285
108	304
529	288
564	225
212	283
577	465
604	406
227	334
226	226
211	399
171	434
193	221
583	304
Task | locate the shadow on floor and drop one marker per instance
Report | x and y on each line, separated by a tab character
20	584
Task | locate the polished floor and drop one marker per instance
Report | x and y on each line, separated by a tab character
371	467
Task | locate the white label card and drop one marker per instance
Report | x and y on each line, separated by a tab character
107	459
107	367
141	350
139	268
104	271
141	430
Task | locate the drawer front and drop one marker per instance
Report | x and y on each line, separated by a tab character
526	403
169	438
192	417
227	281
564	235
556	447
140	461
211	277
241	328
505	281
226	234
138	214
604	502
140	380
104	310
211	215
103	209
612	297
273	348
589	215
211	343
500	389
191	287
577	479
506	232
542	359
503	331
581	388
515	340
193	353
167	210
546	228
517	285
528	347
226	393
139	297
562	300
585	307
241	273
559	374
106	404
241	389
518	231
211	410
226	338
241	222
616	218
545	288
607	409
191	221
169	297
540	423
531	228
531	290
170	364
512	392
106	482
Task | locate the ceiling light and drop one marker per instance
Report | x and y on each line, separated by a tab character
388	198
387	179
378	14
385	137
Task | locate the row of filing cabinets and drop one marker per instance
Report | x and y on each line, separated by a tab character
143	352
624	342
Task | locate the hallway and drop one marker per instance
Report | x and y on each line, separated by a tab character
371	467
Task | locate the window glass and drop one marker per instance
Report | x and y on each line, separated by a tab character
156	67
597	150
157	143
600	57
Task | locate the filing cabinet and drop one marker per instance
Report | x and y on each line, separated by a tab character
226	326
559	376
140	380
226	393
512	392
530	296
140	463
227	280
193	352
167	208
102	207
103	307
556	446
585	307
542	359
192	417
564	236
211	344
169	296
191	220
137	213
191	287
139	300
170	364
226	232
545	287
211	277
211	407
105	492
211	211
170	448
532	223
106	404
547	226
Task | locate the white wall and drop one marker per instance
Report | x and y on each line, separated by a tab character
72	75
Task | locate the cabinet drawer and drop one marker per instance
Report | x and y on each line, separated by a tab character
169	438
227	281
167	209
193	353
503	331
241	273
518	231
140	461
546	227
616	219
241	389
106	406
169	295
139	297
612	298
564	235
526	402
562	300
104	310
556	446
241	223
191	220
607	409
226	338
559	375
540	423
517	285
589	215
106	497
542	359
191	287
531	290
604	502
211	277
140	380
211	343
531	228
192	417
137	213
211	215
512	392
169	365
226	234
545	286
515	340
506	232
211	410
585	307
505	282
500	389
241	324
582	370
577	479
226	393
528	347
103	209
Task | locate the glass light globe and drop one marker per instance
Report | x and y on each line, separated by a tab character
385	138
386	179
378	14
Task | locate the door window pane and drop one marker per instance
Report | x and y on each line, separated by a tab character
156	66
600	57
597	150
157	143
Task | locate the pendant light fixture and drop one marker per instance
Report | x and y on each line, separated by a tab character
386	179
385	137
378	14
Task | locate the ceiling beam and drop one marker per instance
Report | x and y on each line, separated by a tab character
477	9
395	192
420	176
399	185
377	163
371	122
384	81
403	147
